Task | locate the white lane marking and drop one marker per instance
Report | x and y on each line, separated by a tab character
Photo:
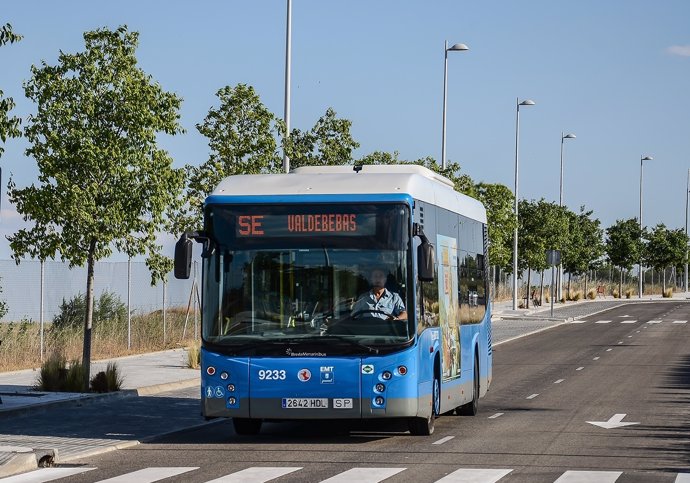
628	321
579	368
256	474
683	478
680	321
443	440
148	475
615	421
497	415
558	381
637	331
596	358
620	342
589	477
654	322
532	396
470	475
45	474
609	350
630	337
624	316
602	322
578	322
364	475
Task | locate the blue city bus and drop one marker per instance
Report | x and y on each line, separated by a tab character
285	257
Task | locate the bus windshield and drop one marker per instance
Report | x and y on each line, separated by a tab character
287	278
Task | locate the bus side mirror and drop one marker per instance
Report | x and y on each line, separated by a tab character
425	262
183	257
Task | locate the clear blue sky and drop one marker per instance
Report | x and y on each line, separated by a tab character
616	73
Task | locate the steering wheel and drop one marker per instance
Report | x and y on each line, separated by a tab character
357	314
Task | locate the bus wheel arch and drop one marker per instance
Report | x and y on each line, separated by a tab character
471	408
424	426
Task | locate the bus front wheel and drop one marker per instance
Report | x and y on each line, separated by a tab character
246	426
425	426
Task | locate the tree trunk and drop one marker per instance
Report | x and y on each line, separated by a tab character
88	320
620	284
527	295
663	285
570	277
586	273
541	288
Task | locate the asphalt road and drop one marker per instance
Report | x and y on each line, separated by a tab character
535	425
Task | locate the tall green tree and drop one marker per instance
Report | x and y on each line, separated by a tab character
241	134
624	245
103	182
584	247
498	201
9	125
542	226
328	143
665	248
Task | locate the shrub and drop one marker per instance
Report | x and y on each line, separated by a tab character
615	294
106	307
107	381
577	295
194	356
668	293
56	375
592	294
628	293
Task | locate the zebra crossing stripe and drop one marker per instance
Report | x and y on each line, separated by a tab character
589	477
628	321
256	474
149	475
654	322
45	474
364	475
602	322
469	475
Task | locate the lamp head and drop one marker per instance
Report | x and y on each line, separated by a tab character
528	102
459	47
569	136
646	158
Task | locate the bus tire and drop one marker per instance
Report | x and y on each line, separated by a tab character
472	407
425	426
246	426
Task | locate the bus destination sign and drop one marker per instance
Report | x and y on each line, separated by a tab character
305	224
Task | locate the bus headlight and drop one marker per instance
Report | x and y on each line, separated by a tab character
232	401
386	376
224	375
378	400
231	388
380	387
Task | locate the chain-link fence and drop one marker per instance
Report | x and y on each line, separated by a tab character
33	291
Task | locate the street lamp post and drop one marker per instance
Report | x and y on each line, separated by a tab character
639	274
288	54
527	102
454	48
687	195
560	203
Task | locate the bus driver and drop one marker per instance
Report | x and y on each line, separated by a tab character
382	303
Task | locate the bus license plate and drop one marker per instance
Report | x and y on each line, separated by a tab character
305	403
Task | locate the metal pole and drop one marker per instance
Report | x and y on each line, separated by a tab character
639	275
515	232
445	93
129	303
687	191
165	283
288	53
552	276
41	308
560	203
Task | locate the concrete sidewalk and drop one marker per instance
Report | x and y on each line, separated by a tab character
143	375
